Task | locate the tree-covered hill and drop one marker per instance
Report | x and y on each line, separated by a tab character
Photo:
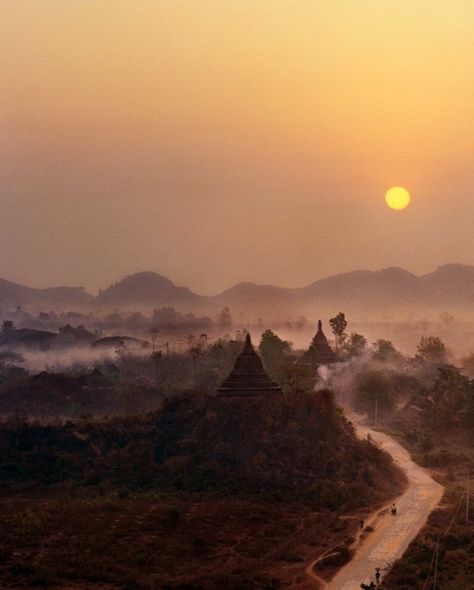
299	447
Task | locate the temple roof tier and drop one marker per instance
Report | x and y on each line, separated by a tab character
248	377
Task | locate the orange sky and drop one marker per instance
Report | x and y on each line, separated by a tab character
223	140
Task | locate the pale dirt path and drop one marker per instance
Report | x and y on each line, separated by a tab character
392	534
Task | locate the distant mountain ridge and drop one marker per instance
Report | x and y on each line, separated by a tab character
19	295
449	286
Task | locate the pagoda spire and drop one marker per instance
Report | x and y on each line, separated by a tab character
320	353
248	377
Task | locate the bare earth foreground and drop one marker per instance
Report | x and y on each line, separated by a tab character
392	534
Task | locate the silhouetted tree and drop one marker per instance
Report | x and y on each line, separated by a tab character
374	392
432	350
355	344
384	351
273	350
338	325
293	377
225	318
449	395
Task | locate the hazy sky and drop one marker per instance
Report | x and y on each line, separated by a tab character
216	141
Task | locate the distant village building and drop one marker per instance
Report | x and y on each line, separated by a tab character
319	353
409	416
248	377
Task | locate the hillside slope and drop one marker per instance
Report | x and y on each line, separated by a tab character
298	447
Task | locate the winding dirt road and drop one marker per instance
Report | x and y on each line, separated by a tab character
392	534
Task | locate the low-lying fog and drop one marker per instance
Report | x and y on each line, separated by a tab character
177	332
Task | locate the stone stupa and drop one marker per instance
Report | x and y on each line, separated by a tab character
319	353
248	377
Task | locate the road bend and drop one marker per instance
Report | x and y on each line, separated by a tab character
392	534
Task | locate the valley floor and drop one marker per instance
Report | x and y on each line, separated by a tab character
161	543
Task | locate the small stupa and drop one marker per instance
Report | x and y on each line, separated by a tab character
248	377
320	353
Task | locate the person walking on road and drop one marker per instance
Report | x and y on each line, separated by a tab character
377	575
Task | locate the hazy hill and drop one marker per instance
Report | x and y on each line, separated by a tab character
147	288
364	290
12	294
392	289
449	288
450	282
394	282
258	297
358	289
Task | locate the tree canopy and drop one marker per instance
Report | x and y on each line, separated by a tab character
273	350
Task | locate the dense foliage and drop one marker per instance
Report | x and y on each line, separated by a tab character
293	447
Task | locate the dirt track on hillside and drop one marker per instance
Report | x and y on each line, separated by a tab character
392	534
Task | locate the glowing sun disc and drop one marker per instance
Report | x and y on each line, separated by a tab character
397	198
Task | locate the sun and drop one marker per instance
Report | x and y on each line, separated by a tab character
397	198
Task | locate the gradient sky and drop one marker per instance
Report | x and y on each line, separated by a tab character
216	141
